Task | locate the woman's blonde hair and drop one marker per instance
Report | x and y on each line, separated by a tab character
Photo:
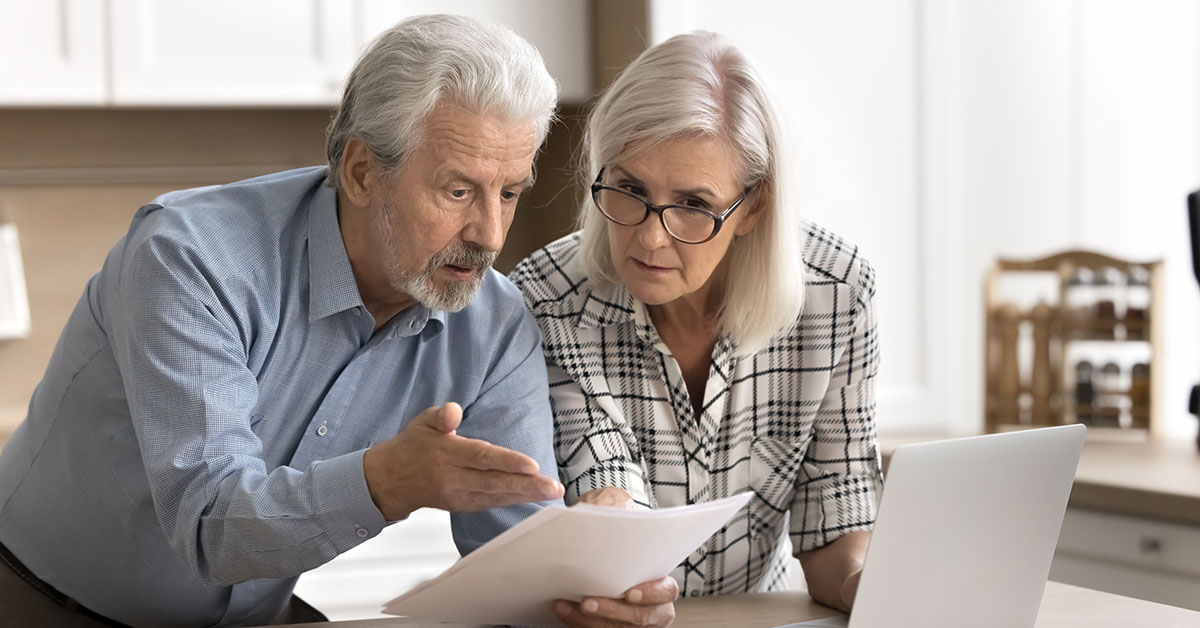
700	84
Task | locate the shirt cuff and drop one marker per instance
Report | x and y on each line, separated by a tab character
623	474
344	507
827	509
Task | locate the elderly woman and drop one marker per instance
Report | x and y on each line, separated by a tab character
702	340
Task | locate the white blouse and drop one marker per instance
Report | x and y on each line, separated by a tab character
793	423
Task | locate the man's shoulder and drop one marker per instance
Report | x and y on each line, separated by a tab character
232	205
552	279
240	224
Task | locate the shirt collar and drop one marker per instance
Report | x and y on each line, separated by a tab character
615	306
611	306
417	319
332	287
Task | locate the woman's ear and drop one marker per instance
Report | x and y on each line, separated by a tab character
756	203
357	173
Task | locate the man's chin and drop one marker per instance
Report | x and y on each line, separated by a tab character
452	296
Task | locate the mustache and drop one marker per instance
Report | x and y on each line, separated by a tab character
465	256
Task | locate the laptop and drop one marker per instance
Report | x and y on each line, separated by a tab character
966	531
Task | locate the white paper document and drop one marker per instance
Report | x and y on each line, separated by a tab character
564	553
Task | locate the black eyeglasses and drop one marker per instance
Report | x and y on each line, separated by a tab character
690	225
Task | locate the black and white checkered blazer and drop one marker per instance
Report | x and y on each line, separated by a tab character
793	423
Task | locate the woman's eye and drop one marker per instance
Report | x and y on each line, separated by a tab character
695	203
636	190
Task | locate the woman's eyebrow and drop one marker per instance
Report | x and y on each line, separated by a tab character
628	175
700	191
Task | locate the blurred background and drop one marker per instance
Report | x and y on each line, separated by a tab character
940	136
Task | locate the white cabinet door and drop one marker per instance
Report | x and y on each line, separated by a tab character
229	52
558	28
52	52
1143	558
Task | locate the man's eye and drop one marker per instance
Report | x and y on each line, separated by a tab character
509	195
458	193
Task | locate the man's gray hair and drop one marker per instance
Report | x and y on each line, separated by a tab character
700	84
426	60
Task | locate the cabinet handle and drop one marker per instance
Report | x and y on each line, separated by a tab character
1150	545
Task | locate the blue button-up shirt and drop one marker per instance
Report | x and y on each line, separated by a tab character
197	441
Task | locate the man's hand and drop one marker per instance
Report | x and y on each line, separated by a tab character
429	465
610	496
647	604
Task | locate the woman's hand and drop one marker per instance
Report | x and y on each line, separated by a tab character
610	496
647	604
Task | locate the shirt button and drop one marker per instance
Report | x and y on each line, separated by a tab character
358	311
361	532
321	431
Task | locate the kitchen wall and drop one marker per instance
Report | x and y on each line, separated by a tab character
941	135
72	178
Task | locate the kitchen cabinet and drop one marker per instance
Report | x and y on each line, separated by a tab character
198	53
52	52
559	29
229	52
1144	558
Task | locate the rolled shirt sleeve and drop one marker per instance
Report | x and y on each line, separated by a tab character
592	447
840	479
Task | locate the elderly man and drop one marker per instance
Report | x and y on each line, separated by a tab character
263	374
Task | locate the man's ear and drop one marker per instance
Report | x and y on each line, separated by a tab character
357	173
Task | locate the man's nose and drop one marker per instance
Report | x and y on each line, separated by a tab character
489	226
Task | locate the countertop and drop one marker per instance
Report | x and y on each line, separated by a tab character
1155	480
1063	606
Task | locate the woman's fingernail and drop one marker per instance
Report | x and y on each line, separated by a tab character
634	596
590	606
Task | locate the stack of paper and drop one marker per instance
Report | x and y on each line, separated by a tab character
564	553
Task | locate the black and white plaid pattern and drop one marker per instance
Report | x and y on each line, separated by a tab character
793	423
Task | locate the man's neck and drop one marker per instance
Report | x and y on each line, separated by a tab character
378	296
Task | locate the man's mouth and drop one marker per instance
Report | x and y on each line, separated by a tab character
461	271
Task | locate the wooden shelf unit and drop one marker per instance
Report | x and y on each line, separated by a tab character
1031	352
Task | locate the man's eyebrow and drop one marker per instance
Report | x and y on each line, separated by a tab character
524	184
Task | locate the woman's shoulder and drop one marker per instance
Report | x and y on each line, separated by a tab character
552	279
829	258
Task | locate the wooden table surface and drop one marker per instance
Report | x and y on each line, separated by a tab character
1063	606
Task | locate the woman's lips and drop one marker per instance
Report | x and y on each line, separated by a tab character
650	268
